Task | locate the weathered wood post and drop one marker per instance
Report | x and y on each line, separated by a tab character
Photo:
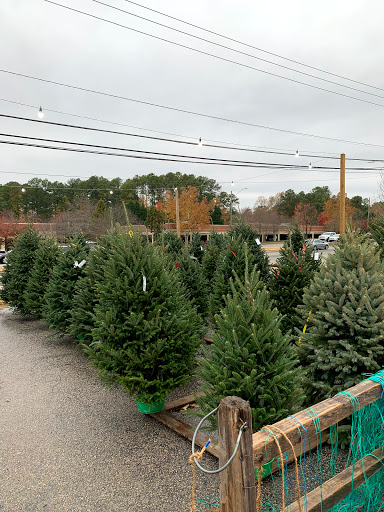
237	481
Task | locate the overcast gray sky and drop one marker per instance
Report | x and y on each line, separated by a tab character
345	37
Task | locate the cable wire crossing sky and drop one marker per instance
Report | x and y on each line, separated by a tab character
221	82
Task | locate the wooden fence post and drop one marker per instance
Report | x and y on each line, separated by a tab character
237	481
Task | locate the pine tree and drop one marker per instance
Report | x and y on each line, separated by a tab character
146	330
345	334
250	357
196	247
172	244
45	259
59	295
293	273
297	240
85	295
376	228
194	280
247	234
232	258
15	276
212	257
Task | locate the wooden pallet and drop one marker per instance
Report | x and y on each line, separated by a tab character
181	427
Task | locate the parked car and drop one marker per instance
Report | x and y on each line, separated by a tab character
325	236
334	238
5	259
318	244
2	255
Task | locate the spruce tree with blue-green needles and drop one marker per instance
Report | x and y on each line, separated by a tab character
345	334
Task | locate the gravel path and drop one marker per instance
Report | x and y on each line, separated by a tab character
70	444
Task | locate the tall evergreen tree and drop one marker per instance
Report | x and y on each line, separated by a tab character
194	280
15	276
293	273
172	244
86	295
212	257
196	247
233	258
59	295
250	357
345	334
45	259
146	330
247	234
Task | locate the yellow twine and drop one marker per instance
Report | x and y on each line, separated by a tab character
305	326
130	232
198	456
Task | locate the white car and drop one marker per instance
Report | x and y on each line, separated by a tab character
325	236
334	238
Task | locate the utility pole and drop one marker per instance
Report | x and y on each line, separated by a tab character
342	194
177	213
230	210
369	207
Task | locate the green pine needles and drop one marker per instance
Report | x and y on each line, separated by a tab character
345	334
45	259
61	287
250	357
146	330
294	272
16	274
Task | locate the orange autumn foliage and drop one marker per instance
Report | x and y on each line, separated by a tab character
193	212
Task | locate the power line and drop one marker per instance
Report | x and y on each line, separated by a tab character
255	47
215	56
175	109
66	125
206	161
237	51
243	147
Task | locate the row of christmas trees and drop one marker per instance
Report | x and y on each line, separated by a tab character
140	311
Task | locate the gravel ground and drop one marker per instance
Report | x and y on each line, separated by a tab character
70	444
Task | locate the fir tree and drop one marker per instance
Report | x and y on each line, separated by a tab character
172	244
85	295
194	280
196	247
146	330
296	240
250	357
212	257
232	259
15	276
247	234
376	228
293	273
59	295
345	334
45	259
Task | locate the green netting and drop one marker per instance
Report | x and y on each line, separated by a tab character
365	429
366	432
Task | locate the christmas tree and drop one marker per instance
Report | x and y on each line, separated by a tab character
196	247
146	330
58	298
234	258
45	259
345	334
212	256
85	295
171	243
293	272
376	228
15	276
250	357
247	234
194	280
